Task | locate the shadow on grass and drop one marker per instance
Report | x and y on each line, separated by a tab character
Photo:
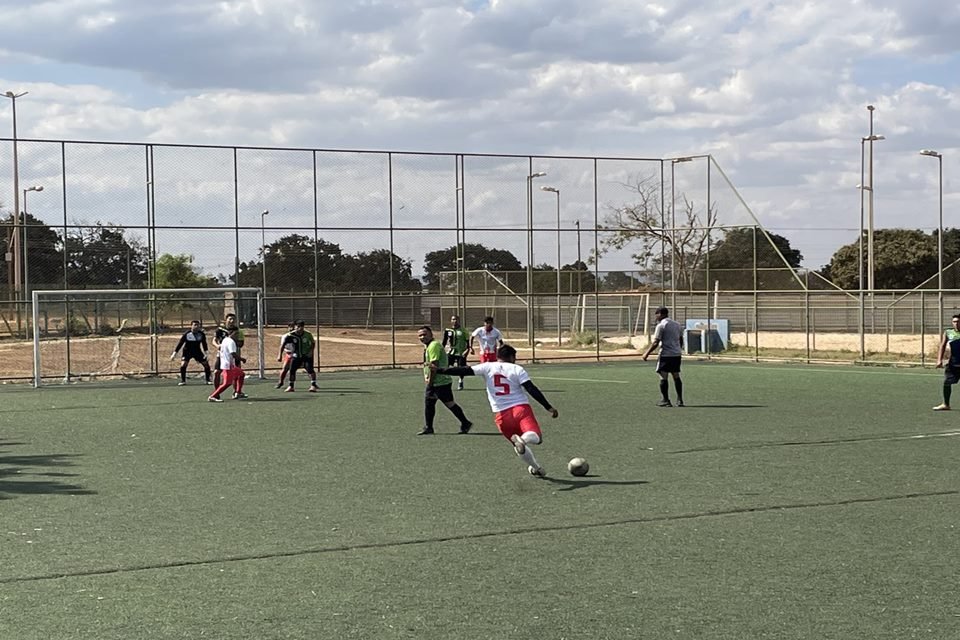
20	474
569	484
724	406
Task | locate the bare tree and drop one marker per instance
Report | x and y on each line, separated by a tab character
645	225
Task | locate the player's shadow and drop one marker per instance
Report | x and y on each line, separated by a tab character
471	434
27	475
570	484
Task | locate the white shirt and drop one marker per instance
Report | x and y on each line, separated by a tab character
488	339
504	384
669	333
227	348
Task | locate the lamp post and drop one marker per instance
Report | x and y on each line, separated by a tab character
559	327
263	255
939	156
673	229
26	255
13	275
530	178
870	257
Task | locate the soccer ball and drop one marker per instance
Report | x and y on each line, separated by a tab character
578	467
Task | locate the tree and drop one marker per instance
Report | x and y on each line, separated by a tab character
178	272
297	263
732	260
903	259
475	257
660	242
102	256
370	271
44	248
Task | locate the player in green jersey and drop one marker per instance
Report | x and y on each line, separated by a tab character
439	385
457	343
951	367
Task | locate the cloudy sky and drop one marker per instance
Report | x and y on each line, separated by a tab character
776	92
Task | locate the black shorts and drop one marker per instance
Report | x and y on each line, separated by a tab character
199	357
951	374
454	360
305	363
668	364
443	393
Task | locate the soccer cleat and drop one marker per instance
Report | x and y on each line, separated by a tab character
279	385
214	399
518	444
537	472
680	403
942	407
664	403
465	428
288	390
313	388
240	396
426	431
460	386
208	382
181	384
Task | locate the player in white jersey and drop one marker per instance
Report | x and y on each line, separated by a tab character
230	362
507	383
490	340
669	337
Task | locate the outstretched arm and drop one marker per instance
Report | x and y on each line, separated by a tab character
537	395
183	340
456	371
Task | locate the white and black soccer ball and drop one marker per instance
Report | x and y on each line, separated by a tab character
578	467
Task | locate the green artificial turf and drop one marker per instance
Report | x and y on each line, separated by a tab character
782	502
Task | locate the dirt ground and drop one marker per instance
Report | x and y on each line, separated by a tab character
361	348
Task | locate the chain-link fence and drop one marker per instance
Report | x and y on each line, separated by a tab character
570	254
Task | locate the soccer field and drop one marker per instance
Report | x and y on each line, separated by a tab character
782	502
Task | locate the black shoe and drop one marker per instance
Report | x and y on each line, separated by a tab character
426	431
465	428
680	403
664	403
279	385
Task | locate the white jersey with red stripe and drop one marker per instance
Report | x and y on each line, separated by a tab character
228	347
504	384
488	339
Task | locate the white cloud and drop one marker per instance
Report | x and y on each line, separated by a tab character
775	90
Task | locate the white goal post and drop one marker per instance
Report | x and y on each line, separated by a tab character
628	312
90	333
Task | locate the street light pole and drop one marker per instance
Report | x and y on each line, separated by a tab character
530	306
13	276
939	156
870	255
559	326
263	256
26	255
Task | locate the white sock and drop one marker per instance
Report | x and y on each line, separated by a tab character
529	438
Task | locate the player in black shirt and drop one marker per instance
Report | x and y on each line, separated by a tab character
194	343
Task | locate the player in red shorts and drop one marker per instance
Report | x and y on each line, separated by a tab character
506	383
230	366
490	340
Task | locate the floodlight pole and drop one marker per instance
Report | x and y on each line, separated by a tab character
13	277
559	325
530	306
263	256
26	258
673	229
939	156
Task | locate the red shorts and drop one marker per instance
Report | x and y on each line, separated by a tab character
516	421
488	356
232	375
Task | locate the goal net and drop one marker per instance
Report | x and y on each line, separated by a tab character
627	313
87	334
